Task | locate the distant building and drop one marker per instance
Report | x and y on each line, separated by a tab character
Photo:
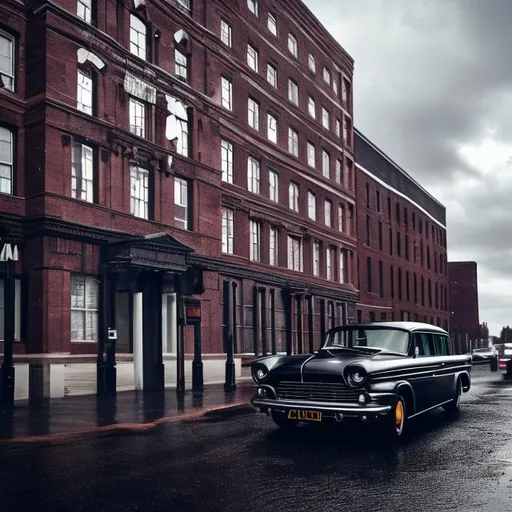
401	243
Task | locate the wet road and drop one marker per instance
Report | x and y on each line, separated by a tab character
241	463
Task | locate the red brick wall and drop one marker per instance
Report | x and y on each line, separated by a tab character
464	296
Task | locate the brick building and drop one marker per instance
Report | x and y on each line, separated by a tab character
463	298
149	144
403	273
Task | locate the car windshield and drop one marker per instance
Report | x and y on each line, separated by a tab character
391	340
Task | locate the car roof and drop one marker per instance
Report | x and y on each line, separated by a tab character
408	326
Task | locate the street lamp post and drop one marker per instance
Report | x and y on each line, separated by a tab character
8	257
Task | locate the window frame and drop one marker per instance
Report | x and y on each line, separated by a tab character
226	160
84	310
11	166
253	175
135	108
226	87
139	173
253	58
226	33
182	222
74	178
81	91
228	230
135	48
13	42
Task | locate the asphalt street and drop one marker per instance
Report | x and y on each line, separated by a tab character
239	462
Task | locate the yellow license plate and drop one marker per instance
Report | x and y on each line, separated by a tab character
304	415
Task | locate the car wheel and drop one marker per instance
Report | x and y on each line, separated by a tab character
396	419
454	404
282	421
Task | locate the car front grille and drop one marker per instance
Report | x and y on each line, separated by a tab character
316	391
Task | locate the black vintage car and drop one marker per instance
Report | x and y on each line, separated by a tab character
392	371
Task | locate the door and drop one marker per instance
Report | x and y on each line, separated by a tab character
424	385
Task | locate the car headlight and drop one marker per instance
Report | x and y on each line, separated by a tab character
259	373
356	377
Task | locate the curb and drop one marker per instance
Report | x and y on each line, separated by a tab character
123	428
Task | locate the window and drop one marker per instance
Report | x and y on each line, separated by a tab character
311	205
328	264
293	142
343	266
137	37
272	75
381	241
316	259
346	131
369	274
311	63
227	230
84	10
326	164
327	76
367	194
311	155
253	114
341	218
225	33
137	117
84	308
253	6
85	92
255	240
252	58
182	145
326	121
381	280
377	200
181	212
82	172
6	161
337	127
185	3
227	93
311	107
328	212
272	128
226	156
398	245
272	24
181	65
273	184
345	91
367	231
339	171
253	175
139	192
293	196
292	45
293	91
273	246
294	253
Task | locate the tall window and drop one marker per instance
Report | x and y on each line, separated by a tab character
311	205
82	172
226	157
292	45
339	171
343	266
327	76
316	259
328	212
253	114
138	37
367	238
311	63
84	10
253	6
252	58
347	128
273	186
227	93
137	117
326	164
225	33
272	75
293	91
6	161
326	119
17	310
345	91
84	308
84	93
227	230
294	253
7	59
181	211
273	246
311	155
272	24
181	65
381	279
255	228
272	128
253	175
369	274
293	142
139	192
342	221
311	107
182	146
328	264
293	196
337	127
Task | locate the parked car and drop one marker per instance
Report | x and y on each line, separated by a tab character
388	371
483	355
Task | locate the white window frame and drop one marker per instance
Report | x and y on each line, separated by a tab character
138	37
82	172
84	92
226	33
137	117
316	259
273	186
328	212
181	200
182	147
326	164
253	6
328	264
272	24
253	58
273	246
295	256
226	158
327	76
7	71
271	128
226	93
293	92
293	196
311	155
228	224
7	148
326	119
312	107
311	63
311	205
253	175
293	46
139	192
339	171
180	65
272	74
293	142
253	114
84	10
255	240
88	310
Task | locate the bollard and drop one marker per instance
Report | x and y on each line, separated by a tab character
494	364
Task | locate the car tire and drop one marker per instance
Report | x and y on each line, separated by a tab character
396	419
282	421
454	405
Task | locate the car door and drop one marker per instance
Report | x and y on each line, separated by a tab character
423	383
445	376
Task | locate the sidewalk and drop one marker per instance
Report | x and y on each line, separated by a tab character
85	416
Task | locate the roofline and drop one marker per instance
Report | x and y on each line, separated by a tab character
407	175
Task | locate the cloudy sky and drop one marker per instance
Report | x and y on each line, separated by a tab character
433	89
